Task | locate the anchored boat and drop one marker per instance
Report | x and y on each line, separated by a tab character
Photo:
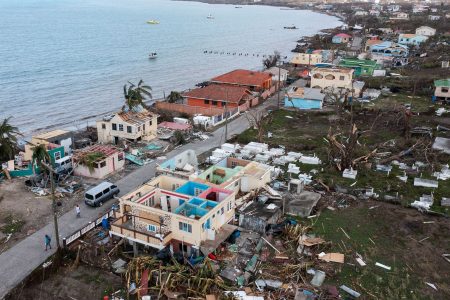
153	22
153	55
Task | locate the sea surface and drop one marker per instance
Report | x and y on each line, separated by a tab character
64	62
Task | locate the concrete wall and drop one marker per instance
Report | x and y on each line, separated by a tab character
113	164
442	91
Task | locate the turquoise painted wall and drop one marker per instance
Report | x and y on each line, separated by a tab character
302	103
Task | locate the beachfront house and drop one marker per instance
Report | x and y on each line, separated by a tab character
304	98
277	71
442	89
425	31
341	38
332	78
220	96
98	161
252	80
411	39
131	125
20	167
362	67
57	137
309	59
187	216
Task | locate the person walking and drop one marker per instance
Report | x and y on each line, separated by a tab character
48	241
78	211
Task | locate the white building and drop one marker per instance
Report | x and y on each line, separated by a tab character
399	16
426	31
306	59
128	125
276	71
332	78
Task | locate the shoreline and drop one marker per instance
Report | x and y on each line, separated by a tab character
80	124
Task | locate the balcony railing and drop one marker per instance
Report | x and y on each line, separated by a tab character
125	227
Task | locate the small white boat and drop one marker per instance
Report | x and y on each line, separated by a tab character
153	55
153	22
210	16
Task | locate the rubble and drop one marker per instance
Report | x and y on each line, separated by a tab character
425	183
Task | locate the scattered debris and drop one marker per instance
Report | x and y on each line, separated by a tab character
350	291
382	266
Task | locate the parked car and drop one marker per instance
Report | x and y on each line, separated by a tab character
100	194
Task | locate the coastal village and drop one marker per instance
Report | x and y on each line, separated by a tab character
323	175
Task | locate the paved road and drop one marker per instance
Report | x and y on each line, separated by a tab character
19	261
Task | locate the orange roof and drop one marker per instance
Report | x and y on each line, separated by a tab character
216	92
243	77
373	42
408	35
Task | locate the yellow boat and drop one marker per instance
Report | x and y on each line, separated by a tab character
152	22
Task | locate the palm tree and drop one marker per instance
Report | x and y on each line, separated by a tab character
135	95
8	139
41	157
90	160
174	97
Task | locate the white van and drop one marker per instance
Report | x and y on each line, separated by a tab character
64	164
100	193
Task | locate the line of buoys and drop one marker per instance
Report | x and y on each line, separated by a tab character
240	54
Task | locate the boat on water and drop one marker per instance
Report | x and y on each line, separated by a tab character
153	22
153	55
238	7
210	16
290	27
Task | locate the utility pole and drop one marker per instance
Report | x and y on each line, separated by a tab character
279	85
226	115
55	215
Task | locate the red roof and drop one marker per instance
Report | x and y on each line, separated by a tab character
215	92
243	77
174	126
344	35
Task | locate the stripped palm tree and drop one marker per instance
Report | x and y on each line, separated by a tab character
90	160
8	140
135	95
40	157
174	96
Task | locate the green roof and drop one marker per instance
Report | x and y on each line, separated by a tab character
354	62
442	82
